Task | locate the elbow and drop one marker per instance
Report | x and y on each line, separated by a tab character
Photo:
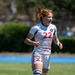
25	41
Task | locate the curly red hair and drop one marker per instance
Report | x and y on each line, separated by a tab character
41	12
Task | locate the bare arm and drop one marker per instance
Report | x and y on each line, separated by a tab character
57	42
29	40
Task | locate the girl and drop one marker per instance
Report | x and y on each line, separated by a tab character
43	32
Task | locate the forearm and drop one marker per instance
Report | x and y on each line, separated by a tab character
29	41
56	41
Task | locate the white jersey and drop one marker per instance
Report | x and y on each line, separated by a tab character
44	35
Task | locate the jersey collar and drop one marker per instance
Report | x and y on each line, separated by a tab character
44	25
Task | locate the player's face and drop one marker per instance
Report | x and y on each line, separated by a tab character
48	18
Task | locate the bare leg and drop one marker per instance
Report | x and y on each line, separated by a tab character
45	71
37	68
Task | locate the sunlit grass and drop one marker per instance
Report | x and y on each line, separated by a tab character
25	69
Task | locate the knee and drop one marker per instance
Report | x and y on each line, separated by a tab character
37	72
44	74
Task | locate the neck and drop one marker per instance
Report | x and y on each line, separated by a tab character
45	23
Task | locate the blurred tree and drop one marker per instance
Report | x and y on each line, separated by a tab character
67	6
7	10
27	7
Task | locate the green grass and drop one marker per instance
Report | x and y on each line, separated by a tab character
25	69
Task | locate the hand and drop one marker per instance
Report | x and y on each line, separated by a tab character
60	45
37	44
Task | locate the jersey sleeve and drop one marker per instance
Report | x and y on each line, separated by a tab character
55	30
33	30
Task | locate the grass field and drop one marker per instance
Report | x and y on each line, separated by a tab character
25	69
